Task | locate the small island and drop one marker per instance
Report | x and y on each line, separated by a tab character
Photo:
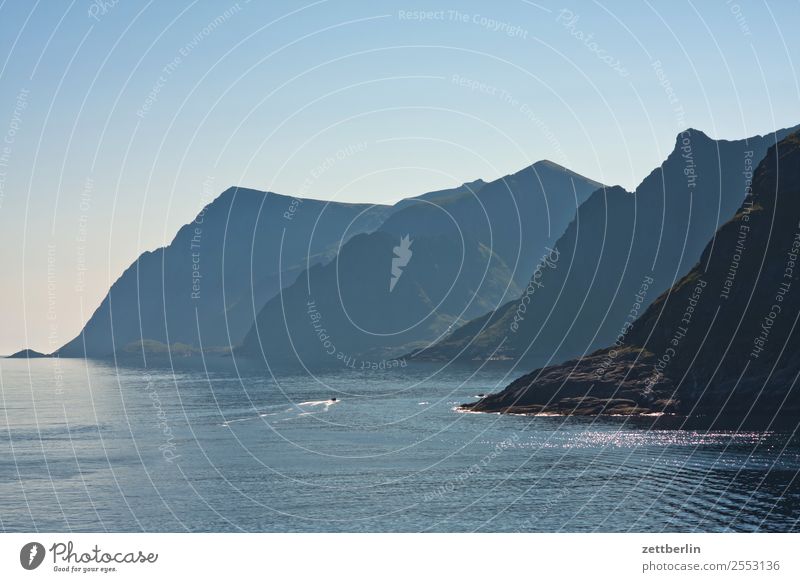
28	353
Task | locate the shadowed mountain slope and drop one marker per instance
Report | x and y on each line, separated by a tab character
464	256
721	344
616	256
205	287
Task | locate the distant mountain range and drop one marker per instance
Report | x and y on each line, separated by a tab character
618	254
540	265
437	261
721	344
204	290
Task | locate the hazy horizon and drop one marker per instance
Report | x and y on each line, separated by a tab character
122	120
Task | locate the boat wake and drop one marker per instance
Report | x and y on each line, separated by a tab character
297	410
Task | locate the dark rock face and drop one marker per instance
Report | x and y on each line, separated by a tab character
721	344
204	288
619	253
378	299
28	353
605	382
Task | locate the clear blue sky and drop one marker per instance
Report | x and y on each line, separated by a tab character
121	119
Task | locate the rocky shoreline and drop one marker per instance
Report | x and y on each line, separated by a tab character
720	345
607	382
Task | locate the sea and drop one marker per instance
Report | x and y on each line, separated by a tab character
96	446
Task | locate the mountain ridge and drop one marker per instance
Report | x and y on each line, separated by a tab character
234	305
616	241
473	243
713	347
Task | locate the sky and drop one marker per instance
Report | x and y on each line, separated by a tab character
122	119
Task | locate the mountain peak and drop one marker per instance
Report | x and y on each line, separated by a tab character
549	164
692	133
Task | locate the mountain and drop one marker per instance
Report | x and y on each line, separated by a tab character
515	216
437	261
722	344
204	288
618	254
27	353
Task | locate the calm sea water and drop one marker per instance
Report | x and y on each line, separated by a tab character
85	446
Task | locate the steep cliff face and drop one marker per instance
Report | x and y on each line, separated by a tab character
619	253
204	288
722	343
736	311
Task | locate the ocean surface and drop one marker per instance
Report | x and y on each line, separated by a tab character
90	446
